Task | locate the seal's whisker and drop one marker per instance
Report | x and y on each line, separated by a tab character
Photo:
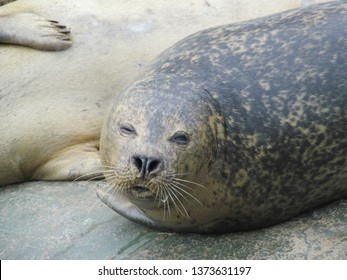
121	178
157	195
181	174
100	177
179	201
97	173
113	192
166	202
175	180
117	188
164	196
105	167
175	185
168	195
108	174
109	171
116	185
178	189
160	195
182	185
190	182
110	177
177	207
120	188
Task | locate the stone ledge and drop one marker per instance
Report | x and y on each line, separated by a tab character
64	220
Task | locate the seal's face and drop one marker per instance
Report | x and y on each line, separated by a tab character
158	151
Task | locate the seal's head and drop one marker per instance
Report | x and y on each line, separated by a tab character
160	147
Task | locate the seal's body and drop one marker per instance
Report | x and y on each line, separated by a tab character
235	127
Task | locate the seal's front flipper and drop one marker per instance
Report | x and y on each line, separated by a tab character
78	162
34	31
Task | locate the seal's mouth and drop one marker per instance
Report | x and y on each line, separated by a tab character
140	192
140	188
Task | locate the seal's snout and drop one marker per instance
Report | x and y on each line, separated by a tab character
147	166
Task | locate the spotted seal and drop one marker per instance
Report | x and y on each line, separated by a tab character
233	128
32	30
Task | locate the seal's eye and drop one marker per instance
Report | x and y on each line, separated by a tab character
127	129
180	137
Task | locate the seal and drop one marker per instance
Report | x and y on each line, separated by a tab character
32	30
233	128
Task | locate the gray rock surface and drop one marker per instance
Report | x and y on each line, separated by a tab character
60	220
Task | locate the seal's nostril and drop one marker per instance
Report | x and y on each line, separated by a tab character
153	165
137	161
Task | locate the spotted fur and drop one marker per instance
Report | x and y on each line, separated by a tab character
278	88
